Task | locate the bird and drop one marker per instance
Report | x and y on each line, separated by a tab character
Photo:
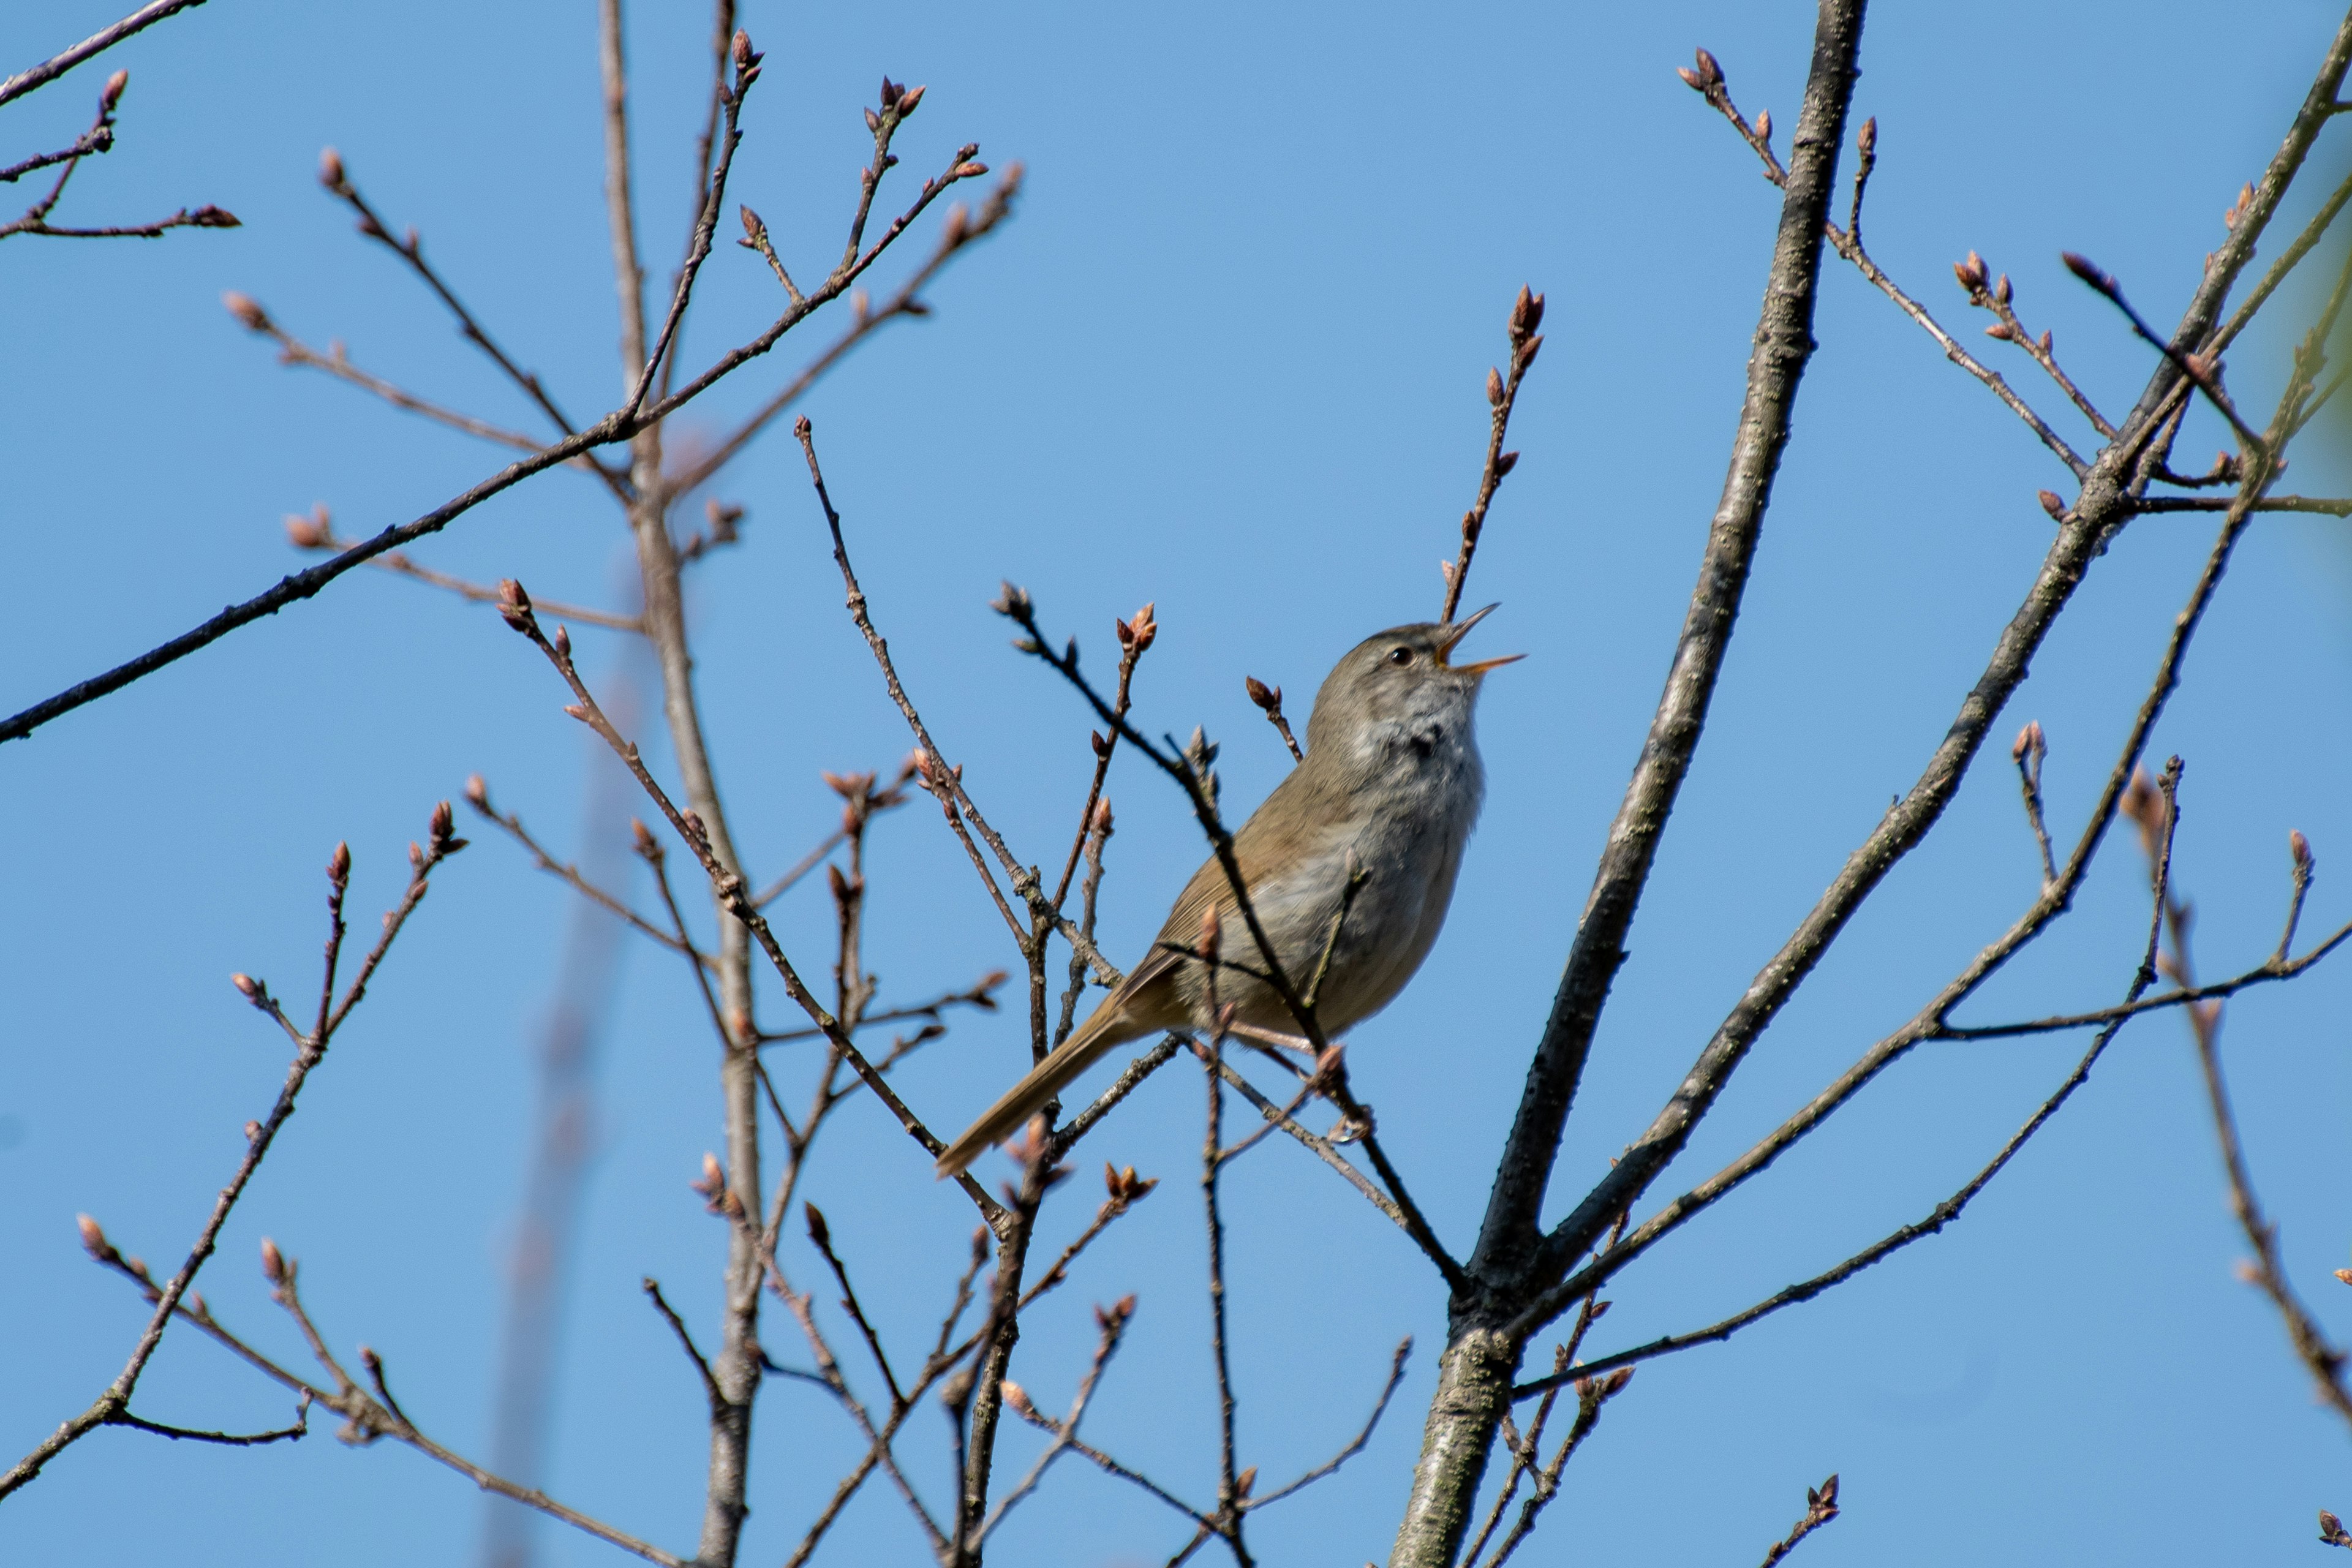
1386	796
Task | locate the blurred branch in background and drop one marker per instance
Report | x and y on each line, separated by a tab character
562	1145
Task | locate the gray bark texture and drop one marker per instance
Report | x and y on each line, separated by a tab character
1485	1336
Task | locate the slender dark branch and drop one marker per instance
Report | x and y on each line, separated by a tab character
728	887
1502	395
98	43
821	1237
2327	506
747	71
410	249
478	795
1508	1237
612	428
717	1395
1821	1506
99	137
300	1429
2104	502
1356	1444
979	996
2194	367
116	1400
2143	976
945	783
2271	969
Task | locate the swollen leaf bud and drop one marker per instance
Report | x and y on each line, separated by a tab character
2300	848
514	604
330	169
2051	503
248	314
339	865
112	94
477	792
1764	125
273	1262
93	1239
1494	386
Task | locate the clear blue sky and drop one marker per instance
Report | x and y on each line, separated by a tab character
1228	357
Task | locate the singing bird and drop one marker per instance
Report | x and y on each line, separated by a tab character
1389	790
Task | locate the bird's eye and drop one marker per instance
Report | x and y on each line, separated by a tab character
1399	656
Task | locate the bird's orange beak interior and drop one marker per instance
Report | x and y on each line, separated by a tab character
1453	634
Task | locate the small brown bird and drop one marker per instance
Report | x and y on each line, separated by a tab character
1390	788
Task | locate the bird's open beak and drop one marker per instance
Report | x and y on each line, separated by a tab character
1454	633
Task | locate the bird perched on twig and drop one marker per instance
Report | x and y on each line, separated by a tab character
1384	800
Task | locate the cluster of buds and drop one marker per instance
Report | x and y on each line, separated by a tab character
1200	756
936	778
1600	1391
2029	747
1029	1150
2144	804
860	799
899	100
1113	1320
718	1197
514	607
747	62
1707	78
316	532
1125	1186
1014	601
1136	634
2239	208
442	829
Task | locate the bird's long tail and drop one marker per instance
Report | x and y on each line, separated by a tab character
1107	1028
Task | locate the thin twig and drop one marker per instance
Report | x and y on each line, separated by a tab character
98	43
